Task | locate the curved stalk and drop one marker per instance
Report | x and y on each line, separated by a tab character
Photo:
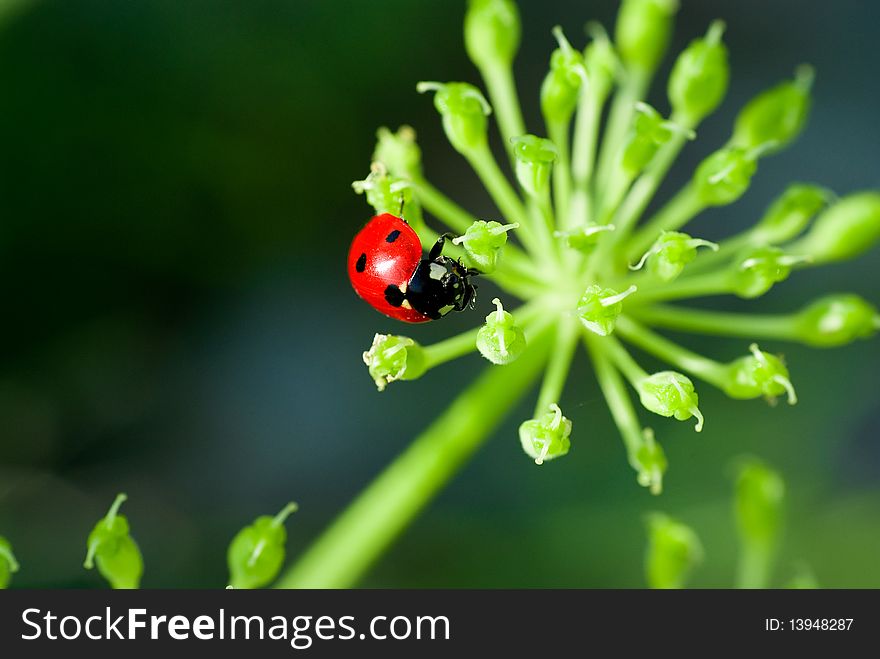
383	510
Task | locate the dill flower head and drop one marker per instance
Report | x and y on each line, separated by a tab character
577	259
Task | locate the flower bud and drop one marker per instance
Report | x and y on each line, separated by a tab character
599	308
8	564
758	268
562	85
790	213
836	320
385	193
546	437
398	151
776	115
601	61
393	358
585	237
113	549
534	160
643	30
724	176
500	340
668	393
844	230
464	110
256	553
759	374
483	242
649	132
673	551
491	32
760	493
650	463
699	78
671	253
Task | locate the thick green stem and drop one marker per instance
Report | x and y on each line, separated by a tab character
672	353
753	567
583	158
384	509
720	323
558	132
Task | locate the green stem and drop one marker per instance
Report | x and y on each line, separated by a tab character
617	397
702	367
586	136
561	356
753	567
384	509
677	212
441	206
711	283
624	361
505	101
720	323
466	342
631	90
558	131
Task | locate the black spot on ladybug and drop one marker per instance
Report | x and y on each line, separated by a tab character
394	296
394	235
361	264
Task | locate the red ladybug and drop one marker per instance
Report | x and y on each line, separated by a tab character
387	270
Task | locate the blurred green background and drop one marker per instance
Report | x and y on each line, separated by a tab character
175	209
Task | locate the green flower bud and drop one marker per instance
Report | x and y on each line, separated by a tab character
650	463
836	320
8	564
601	61
698	81
113	549
673	551
790	213
671	253
585	237
759	374
776	115
844	230
256	553
534	160
643	30
483	242
398	151
599	308
649	132
668	393
758	268
384	193
464	110
562	85
546	437
759	497
393	358
500	340
491	32
724	176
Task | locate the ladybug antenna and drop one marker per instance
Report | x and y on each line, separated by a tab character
400	214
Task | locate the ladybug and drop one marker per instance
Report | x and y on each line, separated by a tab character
387	270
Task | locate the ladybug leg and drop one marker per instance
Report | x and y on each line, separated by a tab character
437	249
469	301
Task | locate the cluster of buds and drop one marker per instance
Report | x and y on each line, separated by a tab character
574	242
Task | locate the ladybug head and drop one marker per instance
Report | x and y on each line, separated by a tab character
441	284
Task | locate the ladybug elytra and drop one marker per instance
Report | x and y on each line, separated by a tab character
386	269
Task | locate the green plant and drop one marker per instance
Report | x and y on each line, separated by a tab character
674	549
588	266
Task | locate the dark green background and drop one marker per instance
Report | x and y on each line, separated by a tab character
177	323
